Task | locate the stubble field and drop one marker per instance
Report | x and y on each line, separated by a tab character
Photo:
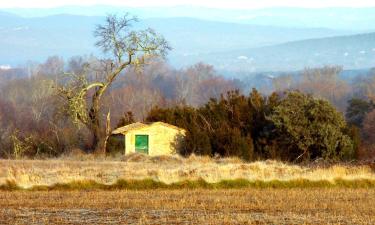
173	190
241	206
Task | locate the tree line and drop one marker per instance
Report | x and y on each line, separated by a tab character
291	126
48	109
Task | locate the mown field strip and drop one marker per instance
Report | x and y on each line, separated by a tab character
199	206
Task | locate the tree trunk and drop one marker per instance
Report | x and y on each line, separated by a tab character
98	143
98	136
94	114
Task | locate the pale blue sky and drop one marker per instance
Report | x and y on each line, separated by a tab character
206	3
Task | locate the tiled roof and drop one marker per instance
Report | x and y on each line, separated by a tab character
139	125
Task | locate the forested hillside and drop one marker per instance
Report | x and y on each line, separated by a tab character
192	40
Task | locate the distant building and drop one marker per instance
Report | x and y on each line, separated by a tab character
152	139
5	67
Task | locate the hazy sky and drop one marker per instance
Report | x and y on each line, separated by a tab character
206	3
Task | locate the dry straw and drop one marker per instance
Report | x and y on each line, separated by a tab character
174	171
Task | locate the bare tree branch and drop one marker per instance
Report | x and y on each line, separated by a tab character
128	48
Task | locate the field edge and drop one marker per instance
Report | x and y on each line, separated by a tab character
149	184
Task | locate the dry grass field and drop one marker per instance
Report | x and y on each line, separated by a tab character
169	170
243	206
172	190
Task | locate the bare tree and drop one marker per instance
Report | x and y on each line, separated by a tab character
53	66
282	83
364	86
126	48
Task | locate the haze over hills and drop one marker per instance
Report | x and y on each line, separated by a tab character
334	18
237	41
351	51
36	38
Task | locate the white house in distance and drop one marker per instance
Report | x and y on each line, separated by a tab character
153	139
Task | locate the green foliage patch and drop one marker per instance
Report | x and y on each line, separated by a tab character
292	126
149	184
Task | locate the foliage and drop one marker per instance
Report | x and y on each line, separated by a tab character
150	184
355	134
369	128
31	107
128	48
186	117
322	82
290	128
39	117
126	119
311	128
357	110
228	122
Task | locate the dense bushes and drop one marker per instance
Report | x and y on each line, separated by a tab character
34	119
223	126
357	110
293	127
369	128
34	123
360	114
311	128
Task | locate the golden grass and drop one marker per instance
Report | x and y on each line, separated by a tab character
173	171
242	206
149	184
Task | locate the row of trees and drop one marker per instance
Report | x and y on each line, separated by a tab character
353	96
48	109
33	111
292	127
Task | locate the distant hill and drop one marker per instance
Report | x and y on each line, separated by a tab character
192	36
352	51
23	39
333	18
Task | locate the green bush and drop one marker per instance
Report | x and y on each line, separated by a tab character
294	127
311	128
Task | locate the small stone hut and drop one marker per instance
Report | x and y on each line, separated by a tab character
153	139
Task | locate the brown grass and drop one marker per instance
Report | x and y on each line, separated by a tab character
170	170
244	206
171	190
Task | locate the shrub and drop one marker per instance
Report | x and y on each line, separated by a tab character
357	111
220	127
257	127
311	128
369	128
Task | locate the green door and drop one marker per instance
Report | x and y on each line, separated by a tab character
141	144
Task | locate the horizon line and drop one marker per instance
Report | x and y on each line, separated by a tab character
192	6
